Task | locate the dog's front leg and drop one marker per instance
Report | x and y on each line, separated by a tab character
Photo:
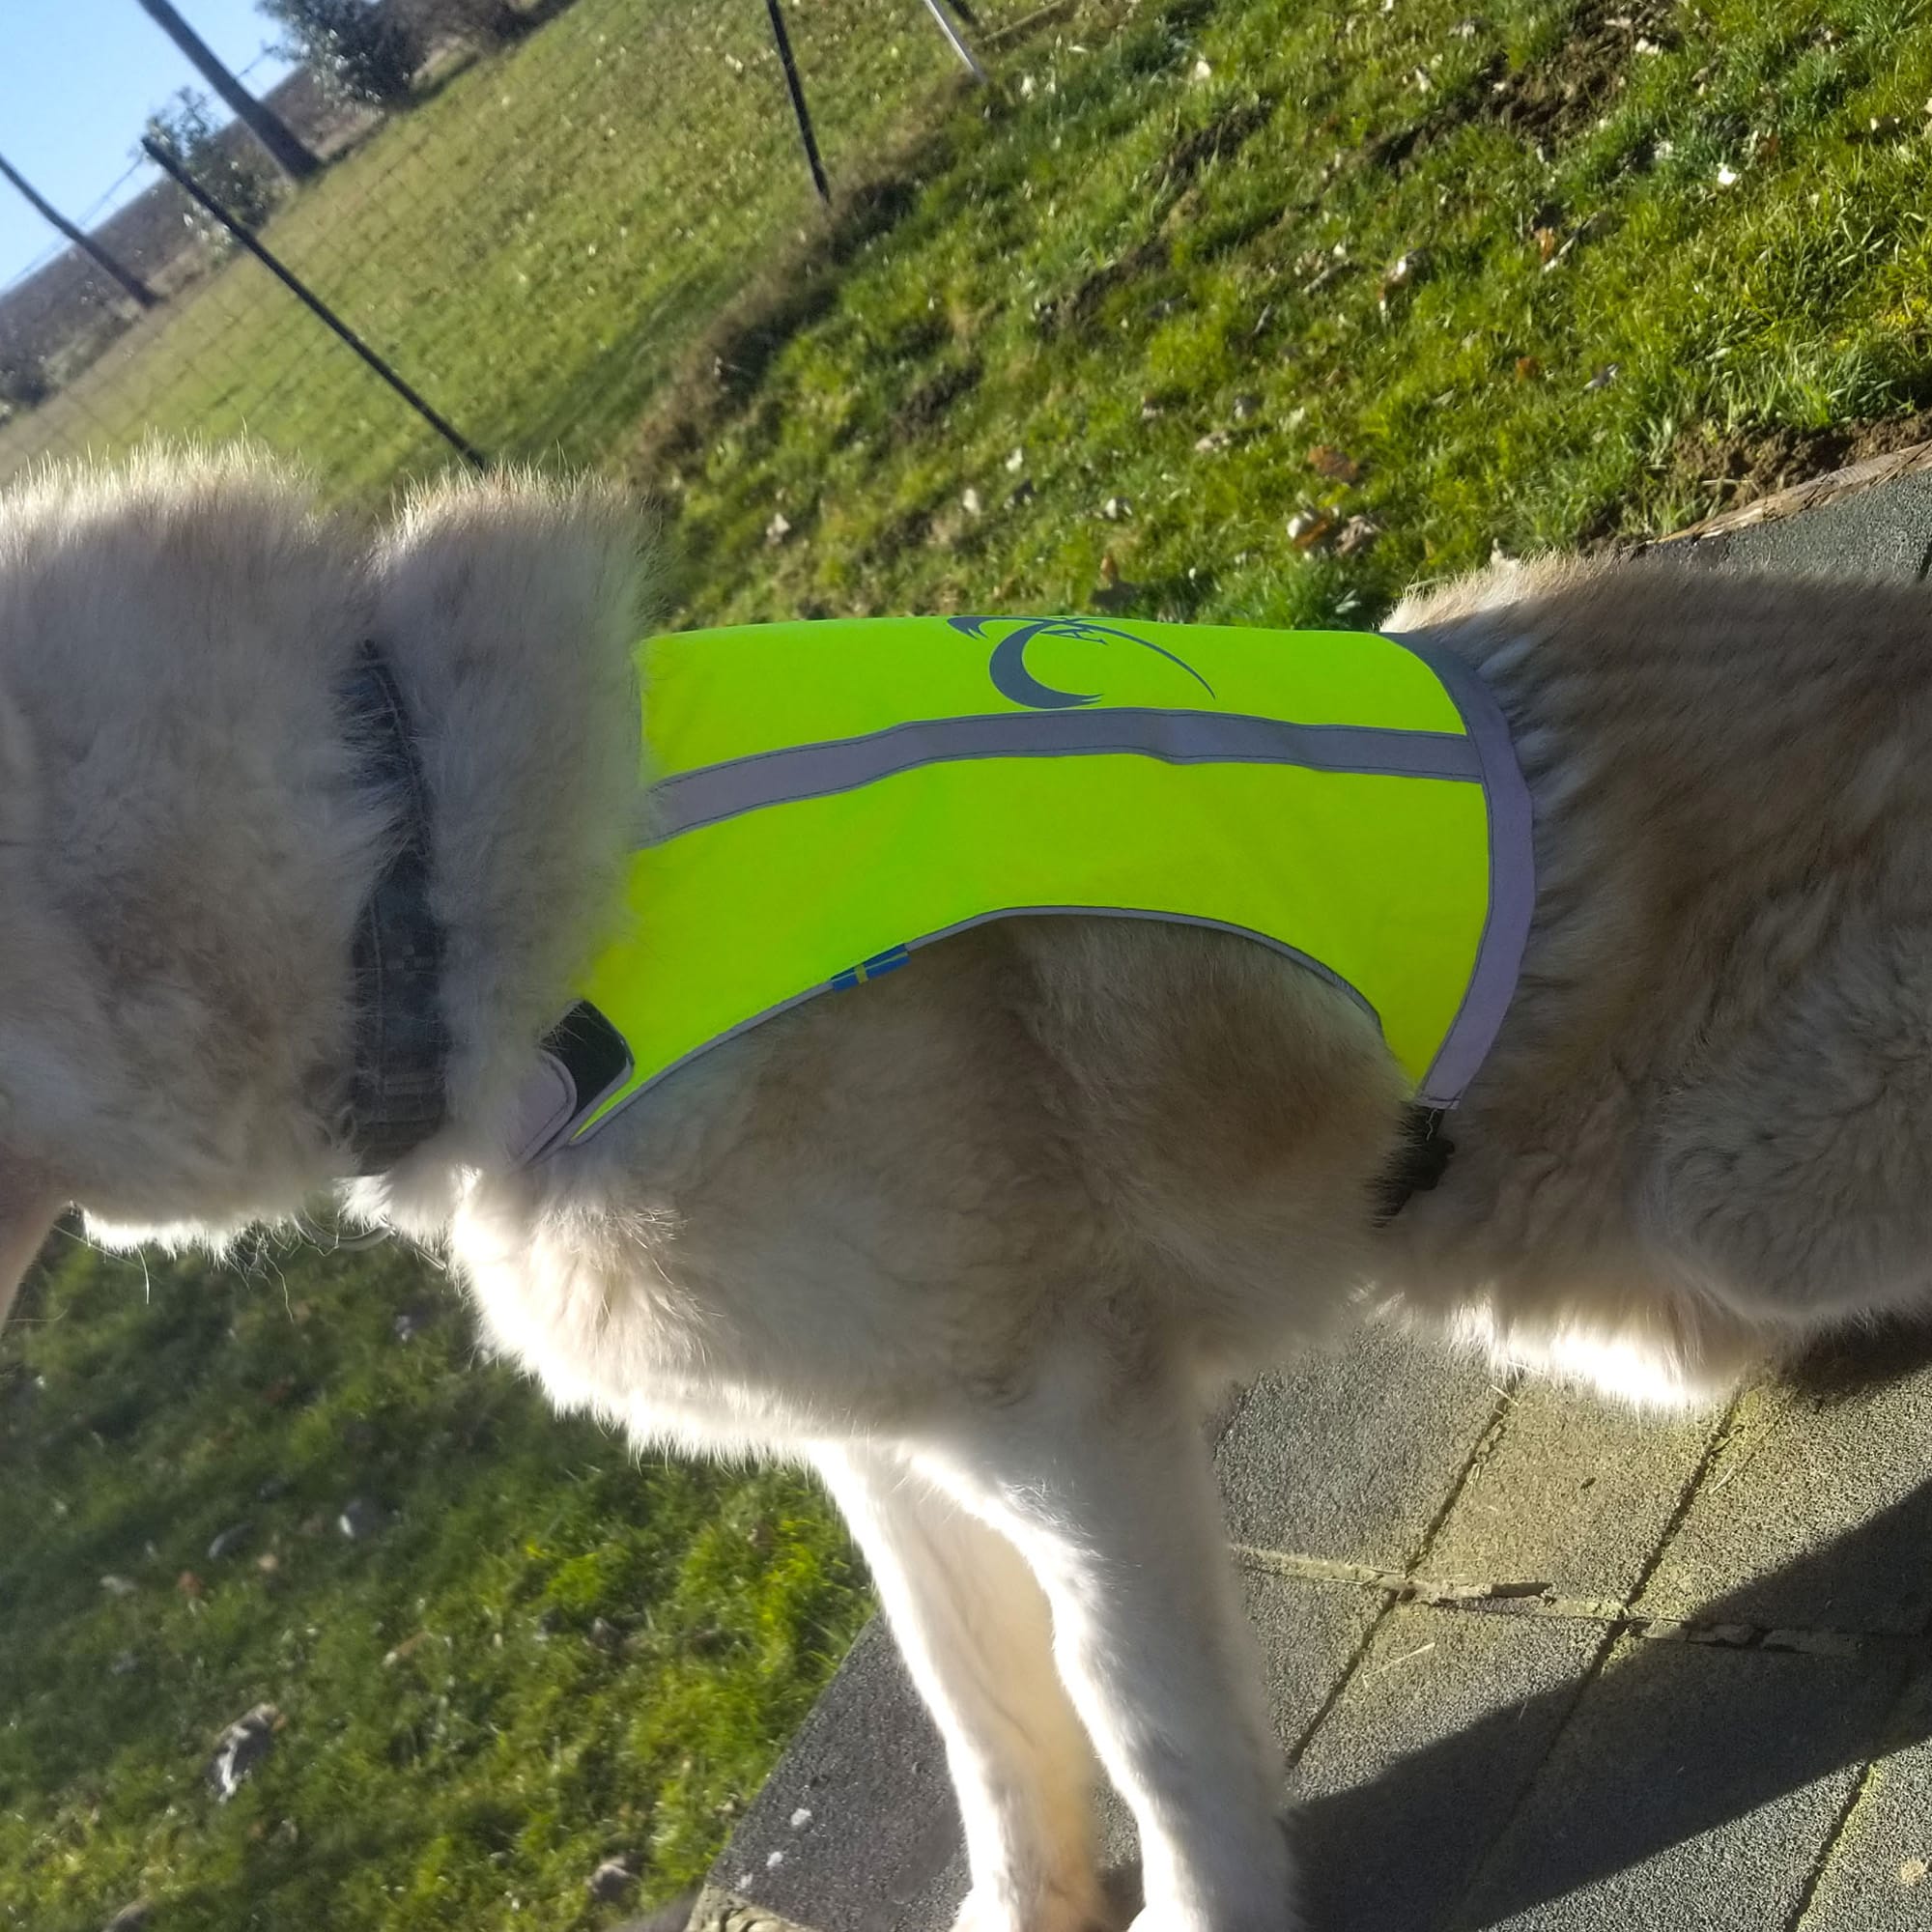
975	1632
1104	1485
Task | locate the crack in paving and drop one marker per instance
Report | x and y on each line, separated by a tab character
1491	1598
1478	1453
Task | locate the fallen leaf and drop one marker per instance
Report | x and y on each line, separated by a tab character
1327	461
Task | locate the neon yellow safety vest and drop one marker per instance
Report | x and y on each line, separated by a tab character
826	798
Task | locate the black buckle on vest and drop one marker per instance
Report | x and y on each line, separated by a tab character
592	1052
1420	1163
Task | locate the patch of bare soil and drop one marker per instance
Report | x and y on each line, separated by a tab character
1553	99
1547	100
1743	465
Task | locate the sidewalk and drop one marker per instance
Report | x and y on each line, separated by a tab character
1536	1663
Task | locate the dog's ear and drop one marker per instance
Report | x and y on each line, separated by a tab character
28	1207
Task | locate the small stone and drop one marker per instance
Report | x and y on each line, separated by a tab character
131	1917
1357	535
969	501
612	1880
1727	176
1016	463
1913	1871
779	528
1202	71
268	1563
773	1859
230	1540
801	1818
240	1748
119	1586
360	1519
1214	439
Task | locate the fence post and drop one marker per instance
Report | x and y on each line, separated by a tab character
956	40
797	107
136	287
315	305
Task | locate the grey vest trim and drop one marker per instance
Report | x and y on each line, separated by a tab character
685	801
396	1090
1492	985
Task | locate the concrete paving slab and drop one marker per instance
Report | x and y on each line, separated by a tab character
1692	1790
1416	1769
1876	532
1879	1875
1574	1493
1817	1509
1350	1455
855	1830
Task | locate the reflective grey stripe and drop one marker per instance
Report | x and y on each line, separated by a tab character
689	800
1512	881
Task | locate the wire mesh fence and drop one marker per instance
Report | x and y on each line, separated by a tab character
533	245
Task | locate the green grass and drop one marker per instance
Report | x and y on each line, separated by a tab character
1646	254
1191	229
527	247
598	1656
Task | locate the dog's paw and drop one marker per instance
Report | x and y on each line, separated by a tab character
1276	1916
1056	1909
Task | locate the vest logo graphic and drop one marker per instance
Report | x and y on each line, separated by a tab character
1006	667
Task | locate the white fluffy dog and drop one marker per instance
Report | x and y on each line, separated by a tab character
975	1245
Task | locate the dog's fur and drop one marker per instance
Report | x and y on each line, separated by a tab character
975	1242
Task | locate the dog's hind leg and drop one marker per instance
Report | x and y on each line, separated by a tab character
976	1634
1103	1485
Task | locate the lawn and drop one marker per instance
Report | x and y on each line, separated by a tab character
529	247
1241	311
535	1653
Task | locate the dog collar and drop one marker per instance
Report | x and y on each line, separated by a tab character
397	1087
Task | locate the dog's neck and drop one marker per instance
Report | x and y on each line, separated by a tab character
509	622
398	1088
